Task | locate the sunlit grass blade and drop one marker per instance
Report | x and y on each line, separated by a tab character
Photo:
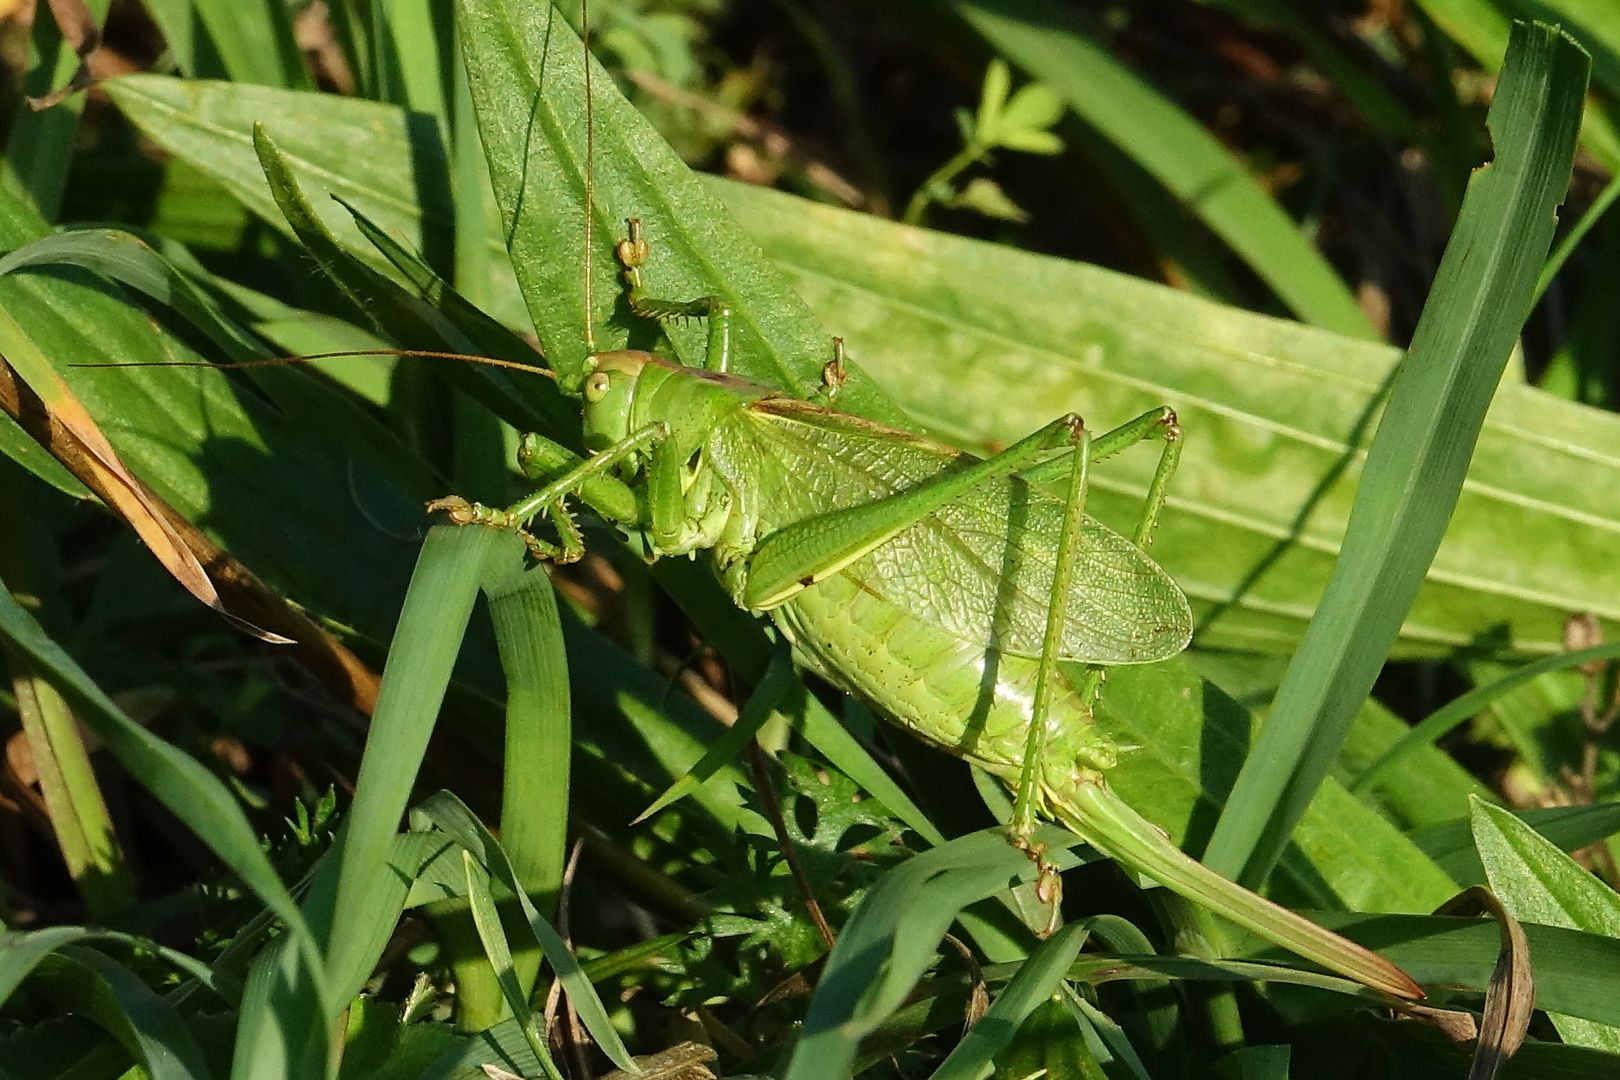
78	812
438	605
452	816
1416	465
1538	883
1043	39
270	1041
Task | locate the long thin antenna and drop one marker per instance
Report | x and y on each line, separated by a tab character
590	174
282	361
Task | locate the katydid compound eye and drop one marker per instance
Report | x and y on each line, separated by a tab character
596	387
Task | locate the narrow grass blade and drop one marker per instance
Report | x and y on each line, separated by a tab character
488	921
130	261
21	950
762	704
1043	39
1420	454
892	939
1438	723
78	813
1538	883
1572	239
452	816
740	640
438	605
1037	979
540	404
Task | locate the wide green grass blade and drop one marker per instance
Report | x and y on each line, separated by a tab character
1538	883
1279	414
269	1045
528	87
1043	38
1419	457
1277	418
539	730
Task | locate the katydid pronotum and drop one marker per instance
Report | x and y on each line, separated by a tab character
941	589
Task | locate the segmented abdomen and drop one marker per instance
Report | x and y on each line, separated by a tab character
964	699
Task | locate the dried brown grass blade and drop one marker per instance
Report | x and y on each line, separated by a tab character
206	570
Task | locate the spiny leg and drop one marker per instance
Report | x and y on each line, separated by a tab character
633	252
550	499
1027	797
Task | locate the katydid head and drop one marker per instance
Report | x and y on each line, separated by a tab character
609	393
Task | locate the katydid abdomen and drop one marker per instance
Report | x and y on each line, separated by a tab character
958	695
